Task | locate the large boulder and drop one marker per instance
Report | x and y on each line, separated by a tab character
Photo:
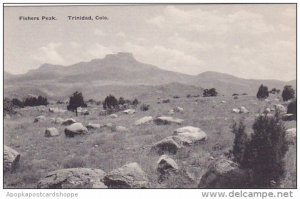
190	134
166	166
73	178
178	109
280	108
166	145
51	132
129	111
68	121
128	176
165	120
58	120
143	120
243	110
291	135
11	159
39	118
236	110
289	117
75	129
223	173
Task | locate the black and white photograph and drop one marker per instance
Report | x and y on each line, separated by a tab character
150	96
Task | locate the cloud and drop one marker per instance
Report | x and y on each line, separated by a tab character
49	54
99	32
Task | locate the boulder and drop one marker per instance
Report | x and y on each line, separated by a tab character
166	165
190	134
68	121
289	117
165	120
243	110
75	129
280	108
51	132
178	109
39	119
128	176
267	110
58	120
223	101
166	145
291	135
7	116
143	120
93	126
236	110
223	173
73	178
11	159
113	116
121	129
129	111
171	112
57	110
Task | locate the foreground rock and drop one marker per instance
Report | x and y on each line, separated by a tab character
144	120
75	129
121	129
166	145
289	117
190	135
165	120
113	116
280	108
129	111
291	135
51	132
74	178
165	167
223	173
128	176
57	110
11	159
68	121
243	110
39	119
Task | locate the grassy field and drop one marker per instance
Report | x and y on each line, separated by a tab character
108	150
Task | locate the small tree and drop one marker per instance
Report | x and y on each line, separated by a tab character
288	93
122	101
240	141
110	102
135	102
210	92
76	100
265	152
17	103
262	92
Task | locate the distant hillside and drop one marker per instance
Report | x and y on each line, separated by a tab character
122	74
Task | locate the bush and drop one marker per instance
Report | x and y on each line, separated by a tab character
240	141
210	92
262	92
8	107
188	95
292	107
274	91
235	94
144	107
76	100
121	101
135	102
17	103
264	153
166	101
35	101
110	102
288	93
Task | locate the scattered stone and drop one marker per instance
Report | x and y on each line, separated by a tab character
144	120
121	129
51	132
165	166
166	145
108	125
7	116
68	121
171	112
223	101
129	111
267	110
189	135
280	108
57	110
113	115
75	129
93	126
58	120
243	110
39	119
236	110
291	135
178	109
165	120
223	173
73	178
11	159
128	176
289	117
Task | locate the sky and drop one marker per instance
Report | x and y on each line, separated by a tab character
254	41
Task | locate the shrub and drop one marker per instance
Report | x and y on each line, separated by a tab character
17	103
121	101
176	97
35	101
288	93
110	102
210	92
274	91
235	94
135	102
292	107
264	153
8	107
166	101
240	141
76	100
262	92
188	95
144	107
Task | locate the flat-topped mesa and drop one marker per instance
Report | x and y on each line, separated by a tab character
124	56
